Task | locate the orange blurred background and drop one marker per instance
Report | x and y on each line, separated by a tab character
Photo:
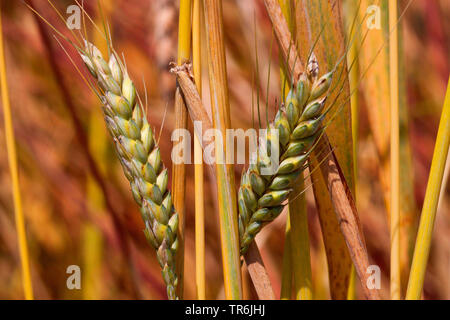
77	204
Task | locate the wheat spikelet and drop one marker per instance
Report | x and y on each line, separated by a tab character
298	122
139	155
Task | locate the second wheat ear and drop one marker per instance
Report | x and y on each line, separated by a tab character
299	123
139	155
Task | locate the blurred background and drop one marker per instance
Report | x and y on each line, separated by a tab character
77	203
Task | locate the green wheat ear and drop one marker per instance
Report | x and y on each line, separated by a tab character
299	124
139	155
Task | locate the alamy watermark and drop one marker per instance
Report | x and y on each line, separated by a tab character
74	20
263	147
74	280
373	17
374	280
74	17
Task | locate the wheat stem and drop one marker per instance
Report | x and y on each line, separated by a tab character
351	293
300	255
184	31
198	166
13	168
301	260
258	273
352	60
179	170
225	173
286	273
428	216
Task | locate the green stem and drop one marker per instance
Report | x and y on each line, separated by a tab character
424	236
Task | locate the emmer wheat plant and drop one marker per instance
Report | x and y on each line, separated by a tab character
298	123
304	135
139	155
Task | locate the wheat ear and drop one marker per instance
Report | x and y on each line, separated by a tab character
139	155
299	124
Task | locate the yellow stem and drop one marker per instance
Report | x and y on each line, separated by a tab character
198	167
301	260
13	168
427	218
299	238
184	31
225	172
395	156
179	170
351	293
286	273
